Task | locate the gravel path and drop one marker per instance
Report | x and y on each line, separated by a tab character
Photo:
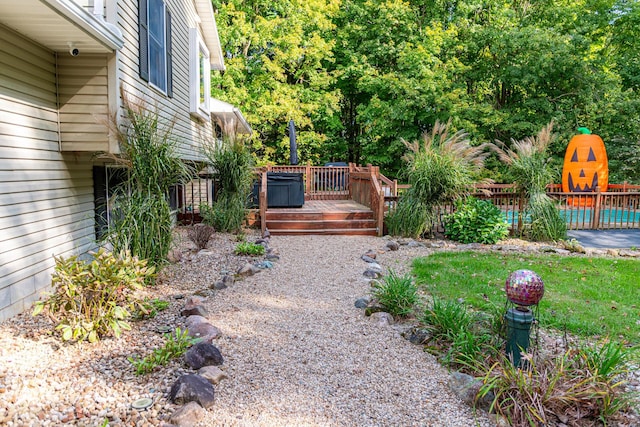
297	351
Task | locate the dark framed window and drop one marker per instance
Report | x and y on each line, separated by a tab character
155	44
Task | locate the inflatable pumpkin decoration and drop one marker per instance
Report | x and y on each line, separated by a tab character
585	166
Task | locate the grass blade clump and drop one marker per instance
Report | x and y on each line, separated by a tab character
397	294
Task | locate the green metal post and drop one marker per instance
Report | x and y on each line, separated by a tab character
518	322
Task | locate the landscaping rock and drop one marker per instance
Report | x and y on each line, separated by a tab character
629	253
371	254
218	286
203	292
392	245
362	302
375	267
367	258
372	309
205	331
195	319
228	280
188	415
213	374
414	244
203	354
266	234
197	310
371	274
192	388
382	319
613	252
466	388
272	257
247	270
264	265
417	336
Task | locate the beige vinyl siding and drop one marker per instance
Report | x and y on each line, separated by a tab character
83	98
46	197
190	132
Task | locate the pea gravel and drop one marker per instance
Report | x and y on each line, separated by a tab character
297	351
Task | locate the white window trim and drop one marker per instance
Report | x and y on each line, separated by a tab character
197	46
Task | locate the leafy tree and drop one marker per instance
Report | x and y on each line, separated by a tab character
276	55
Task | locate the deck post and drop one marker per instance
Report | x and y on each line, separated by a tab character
308	179
595	221
263	202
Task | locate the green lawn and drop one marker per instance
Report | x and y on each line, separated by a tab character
591	297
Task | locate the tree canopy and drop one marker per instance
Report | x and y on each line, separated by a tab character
358	76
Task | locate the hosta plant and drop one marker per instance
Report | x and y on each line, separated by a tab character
94	299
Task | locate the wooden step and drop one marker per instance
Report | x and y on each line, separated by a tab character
278	224
335	231
339	217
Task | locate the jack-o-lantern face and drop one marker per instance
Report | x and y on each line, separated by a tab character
585	165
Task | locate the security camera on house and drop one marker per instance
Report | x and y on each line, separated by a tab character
73	50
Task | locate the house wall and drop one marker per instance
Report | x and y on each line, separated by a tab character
46	197
84	102
190	132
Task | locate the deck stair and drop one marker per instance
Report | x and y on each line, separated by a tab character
344	217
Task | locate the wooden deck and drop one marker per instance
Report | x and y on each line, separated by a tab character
322	217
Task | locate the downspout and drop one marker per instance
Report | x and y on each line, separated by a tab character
55	57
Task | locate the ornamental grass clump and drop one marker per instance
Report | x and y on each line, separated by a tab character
397	294
461	337
232	170
95	299
442	168
530	167
142	220
569	388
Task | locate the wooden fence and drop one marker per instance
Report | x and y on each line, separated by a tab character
618	207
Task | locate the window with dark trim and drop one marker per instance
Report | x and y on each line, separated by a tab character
154	29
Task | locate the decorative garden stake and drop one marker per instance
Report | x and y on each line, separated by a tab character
524	288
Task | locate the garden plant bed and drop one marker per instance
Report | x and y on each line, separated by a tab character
296	350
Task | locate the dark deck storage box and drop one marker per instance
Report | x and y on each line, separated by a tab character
284	190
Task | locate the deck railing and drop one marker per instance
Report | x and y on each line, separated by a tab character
365	188
320	182
618	207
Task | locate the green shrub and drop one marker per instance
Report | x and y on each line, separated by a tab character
476	221
175	346
227	213
397	294
249	248
94	299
